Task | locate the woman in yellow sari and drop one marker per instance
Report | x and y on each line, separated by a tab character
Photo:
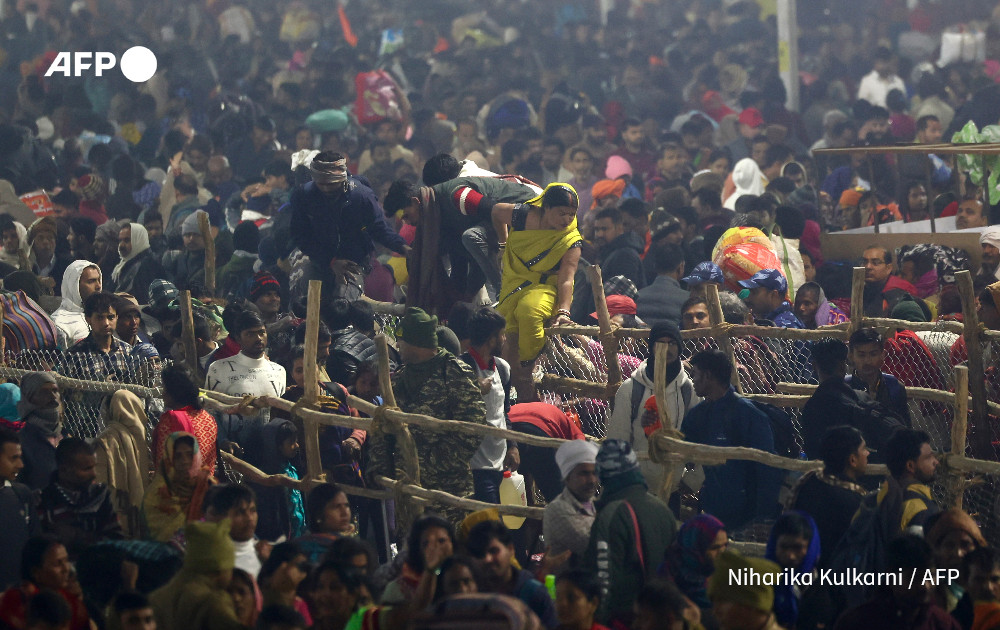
540	257
178	491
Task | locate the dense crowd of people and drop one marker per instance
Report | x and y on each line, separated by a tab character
473	163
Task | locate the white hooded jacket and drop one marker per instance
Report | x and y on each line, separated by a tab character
623	427
749	180
69	318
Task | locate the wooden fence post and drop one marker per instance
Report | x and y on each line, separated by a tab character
314	459
666	422
384	373
857	300
405	451
981	439
716	318
206	233
608	340
187	334
312	341
959	427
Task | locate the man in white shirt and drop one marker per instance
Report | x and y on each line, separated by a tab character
876	85
248	373
487	334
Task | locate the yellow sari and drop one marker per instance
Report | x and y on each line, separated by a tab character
171	500
528	291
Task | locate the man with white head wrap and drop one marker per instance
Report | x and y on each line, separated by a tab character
990	241
567	520
138	266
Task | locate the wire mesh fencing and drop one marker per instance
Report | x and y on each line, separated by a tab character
924	359
85	403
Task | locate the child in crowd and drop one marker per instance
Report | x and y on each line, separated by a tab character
793	545
281	509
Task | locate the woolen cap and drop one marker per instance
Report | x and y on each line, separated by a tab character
419	329
573	453
614	458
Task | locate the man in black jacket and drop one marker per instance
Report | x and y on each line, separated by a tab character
832	496
620	250
17	509
836	403
336	221
349	347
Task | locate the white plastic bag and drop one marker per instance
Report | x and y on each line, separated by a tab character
960	45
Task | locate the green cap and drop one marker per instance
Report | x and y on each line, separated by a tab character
419	329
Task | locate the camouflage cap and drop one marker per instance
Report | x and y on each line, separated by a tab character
616	457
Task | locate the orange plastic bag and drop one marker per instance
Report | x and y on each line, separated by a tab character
741	262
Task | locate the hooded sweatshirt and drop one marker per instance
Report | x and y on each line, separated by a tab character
748	179
18	259
680	397
69	318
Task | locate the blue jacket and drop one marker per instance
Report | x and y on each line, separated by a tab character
783	317
345	227
738	491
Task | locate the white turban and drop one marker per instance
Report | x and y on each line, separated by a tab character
990	236
573	453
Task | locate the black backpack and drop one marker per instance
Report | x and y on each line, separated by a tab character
863	546
876	422
782	429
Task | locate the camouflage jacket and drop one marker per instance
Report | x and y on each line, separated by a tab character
444	388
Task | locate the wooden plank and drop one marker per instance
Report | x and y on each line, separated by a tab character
187	335
608	341
943	148
206	233
310	396
857	299
959	430
312	341
841	246
981	437
384	373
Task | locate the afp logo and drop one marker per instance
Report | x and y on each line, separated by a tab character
138	64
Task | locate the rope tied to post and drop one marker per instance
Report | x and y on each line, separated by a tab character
659	452
247	405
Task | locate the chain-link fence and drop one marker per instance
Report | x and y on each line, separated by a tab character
85	403
924	359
